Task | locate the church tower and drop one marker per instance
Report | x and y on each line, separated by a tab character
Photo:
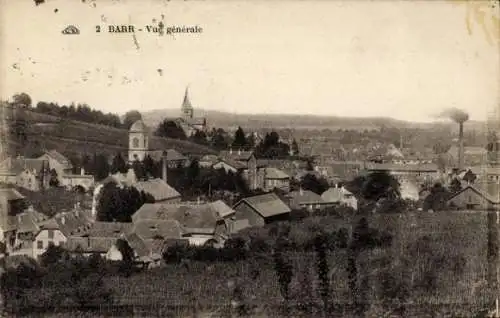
138	141
187	109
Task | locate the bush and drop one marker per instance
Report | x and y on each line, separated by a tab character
233	250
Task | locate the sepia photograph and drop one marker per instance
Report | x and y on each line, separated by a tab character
286	158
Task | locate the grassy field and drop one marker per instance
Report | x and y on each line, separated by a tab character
73	137
206	285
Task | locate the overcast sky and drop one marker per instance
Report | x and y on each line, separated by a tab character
406	60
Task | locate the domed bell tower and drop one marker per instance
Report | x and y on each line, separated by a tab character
138	141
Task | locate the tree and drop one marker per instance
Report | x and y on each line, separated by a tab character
199	137
436	200
170	129
284	271
320	245
19	129
218	140
127	253
151	168
251	141
272	147
295	148
117	204
363	238
240	140
139	170
53	255
22	99
100	167
381	185
118	164
314	184
131	117
54	180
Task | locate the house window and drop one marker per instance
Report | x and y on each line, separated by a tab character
39	245
51	234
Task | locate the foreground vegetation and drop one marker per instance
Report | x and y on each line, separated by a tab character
410	265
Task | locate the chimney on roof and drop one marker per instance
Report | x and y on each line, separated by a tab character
164	168
19	218
301	192
82	171
230	150
239	151
63	220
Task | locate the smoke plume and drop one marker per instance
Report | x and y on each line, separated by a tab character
455	114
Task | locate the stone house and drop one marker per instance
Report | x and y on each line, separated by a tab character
31	174
340	196
473	198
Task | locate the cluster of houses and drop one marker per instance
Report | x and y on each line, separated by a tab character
35	174
154	226
170	220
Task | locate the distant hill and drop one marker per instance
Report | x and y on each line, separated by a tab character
72	137
266	121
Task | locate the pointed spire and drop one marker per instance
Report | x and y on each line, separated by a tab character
186	104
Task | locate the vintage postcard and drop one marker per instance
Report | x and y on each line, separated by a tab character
249	158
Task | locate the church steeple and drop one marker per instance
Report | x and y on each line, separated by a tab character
187	108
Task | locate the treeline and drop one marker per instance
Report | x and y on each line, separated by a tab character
118	204
271	145
80	112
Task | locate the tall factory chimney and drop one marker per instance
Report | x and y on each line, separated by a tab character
164	168
460	117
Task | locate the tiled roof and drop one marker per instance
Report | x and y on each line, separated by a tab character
282	164
209	158
174	155
10	194
156	211
127	179
153	229
170	155
189	216
266	205
274	173
236	155
238	225
27	221
76	222
481	192
304	197
335	194
427	167
138	126
222	209
109	229
137	244
60	158
89	244
233	163
158	188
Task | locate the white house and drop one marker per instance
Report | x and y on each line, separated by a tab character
340	195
